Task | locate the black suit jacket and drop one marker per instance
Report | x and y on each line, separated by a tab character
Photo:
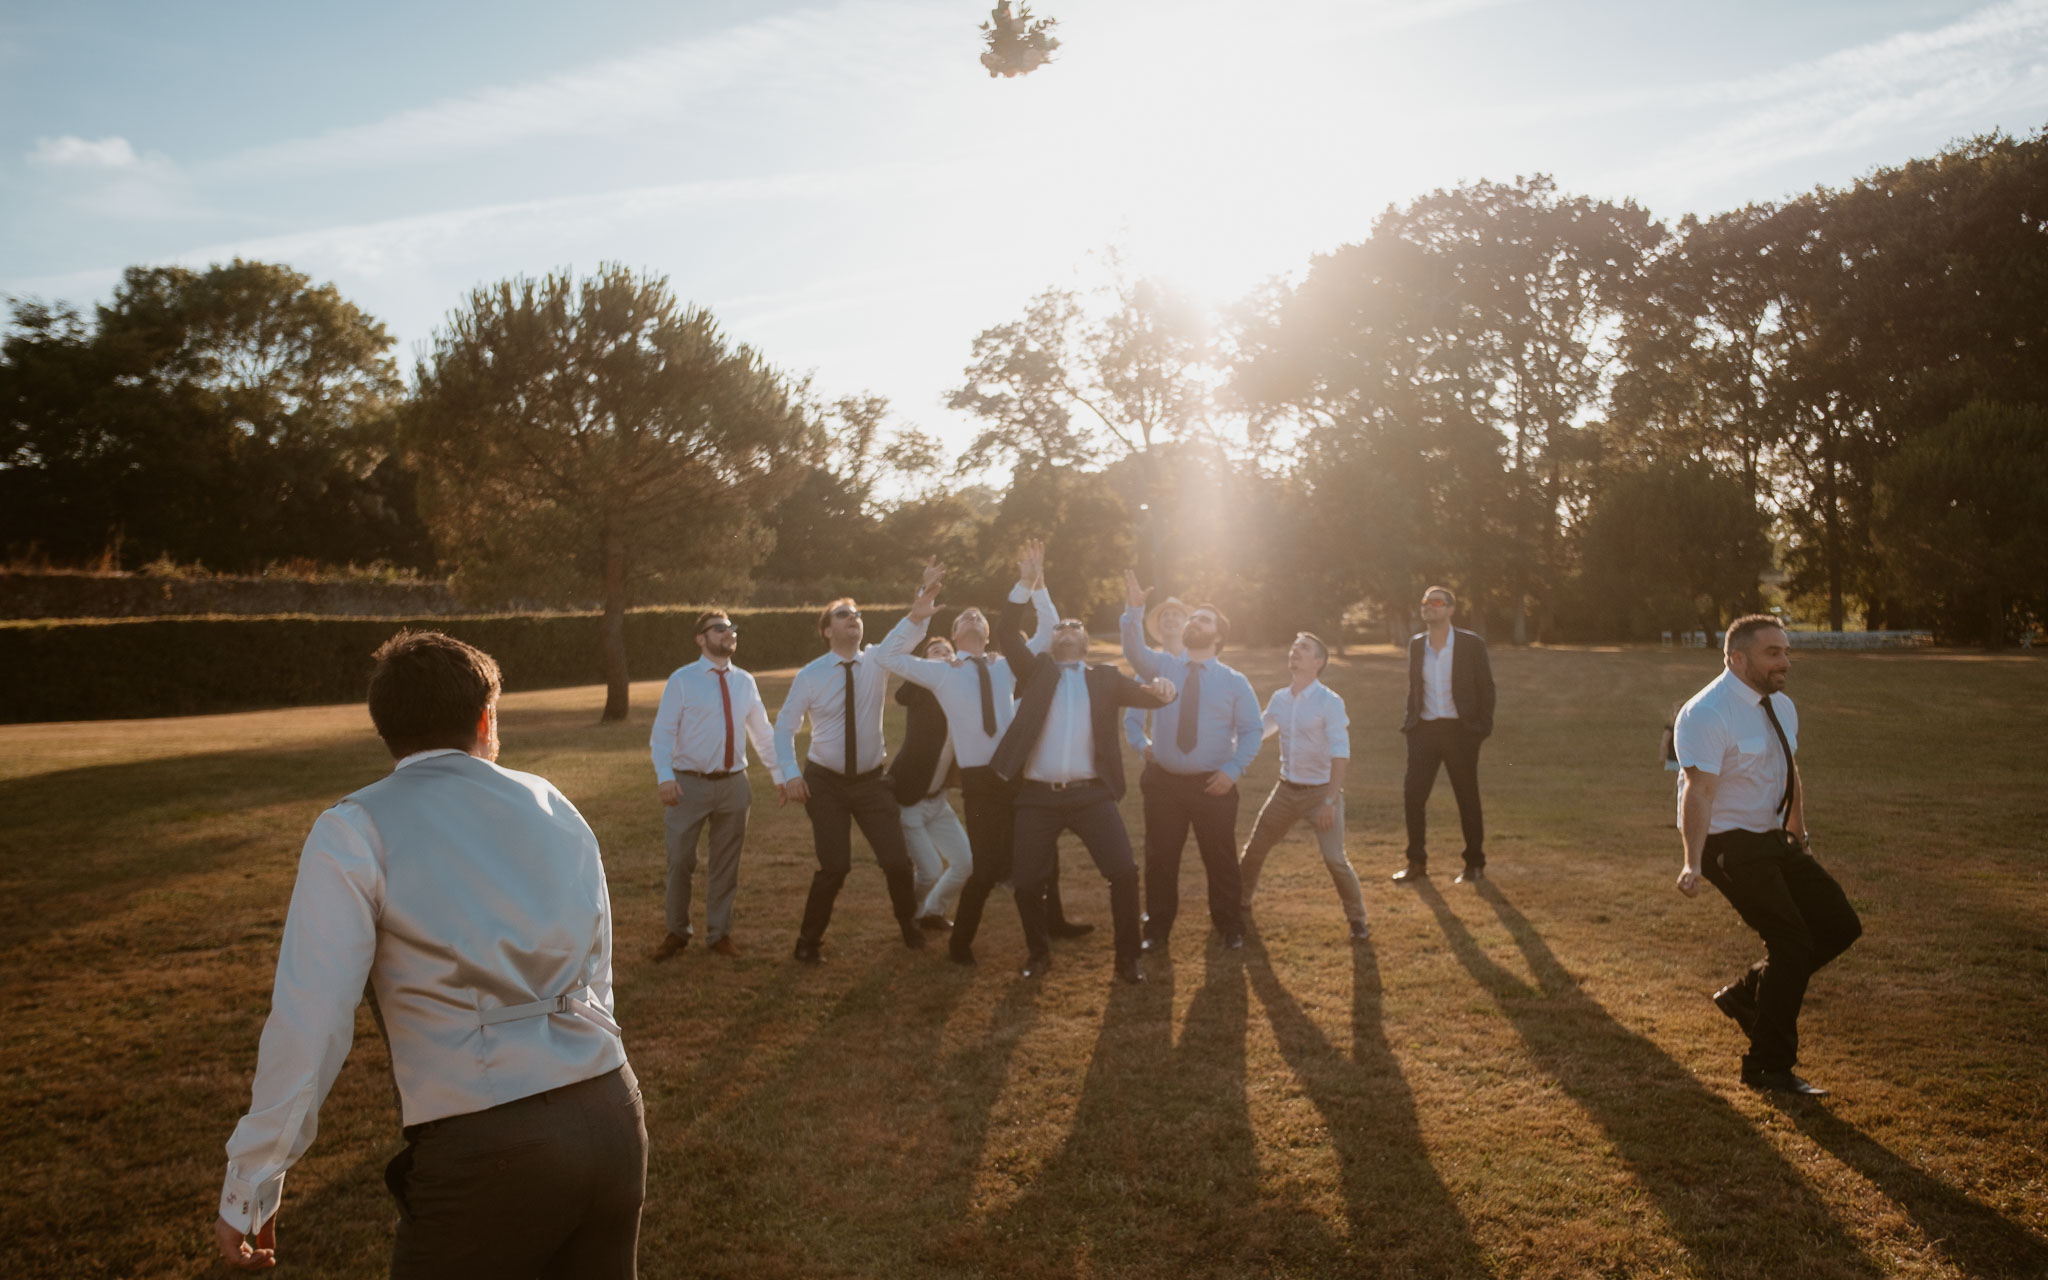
924	738
1471	682
1037	675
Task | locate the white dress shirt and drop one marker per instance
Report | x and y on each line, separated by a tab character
472	899
819	691
1065	751
1314	729
1723	731
957	684
689	727
1437	702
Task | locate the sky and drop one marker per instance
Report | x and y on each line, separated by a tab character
846	188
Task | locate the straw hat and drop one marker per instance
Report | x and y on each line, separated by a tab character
1152	614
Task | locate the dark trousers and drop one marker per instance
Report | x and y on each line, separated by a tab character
1175	802
548	1185
1804	917
836	803
991	833
1451	746
1089	811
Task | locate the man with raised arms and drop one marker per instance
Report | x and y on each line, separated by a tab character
1063	753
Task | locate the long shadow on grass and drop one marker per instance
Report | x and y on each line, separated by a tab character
1403	1218
1734	1203
815	1166
77	842
1977	1239
1157	1174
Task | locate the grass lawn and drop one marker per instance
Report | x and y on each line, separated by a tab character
1523	1080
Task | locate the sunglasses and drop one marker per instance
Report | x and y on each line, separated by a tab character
1070	625
720	626
846	613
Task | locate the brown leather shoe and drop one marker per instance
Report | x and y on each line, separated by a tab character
671	945
725	947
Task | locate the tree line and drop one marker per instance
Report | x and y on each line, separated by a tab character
1591	423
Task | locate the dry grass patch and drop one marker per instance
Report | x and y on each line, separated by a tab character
1527	1080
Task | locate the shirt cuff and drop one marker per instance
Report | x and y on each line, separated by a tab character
246	1206
1020	594
664	773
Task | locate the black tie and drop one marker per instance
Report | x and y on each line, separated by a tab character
1190	709
852	737
988	696
1784	744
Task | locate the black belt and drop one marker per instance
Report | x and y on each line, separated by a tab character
875	772
1303	786
709	777
1065	786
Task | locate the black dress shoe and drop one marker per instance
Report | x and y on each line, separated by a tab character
807	952
1781	1082
934	924
1738	1002
960	954
913	937
1069	929
1131	970
1470	875
1036	965
1413	873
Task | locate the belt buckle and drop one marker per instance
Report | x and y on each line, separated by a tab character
1061	786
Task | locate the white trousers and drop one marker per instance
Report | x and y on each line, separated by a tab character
939	853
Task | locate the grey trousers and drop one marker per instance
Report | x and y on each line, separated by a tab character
549	1185
1287	806
722	805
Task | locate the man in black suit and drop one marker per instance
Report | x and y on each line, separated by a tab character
1450	712
1063	753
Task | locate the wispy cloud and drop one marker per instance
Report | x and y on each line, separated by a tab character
71	152
1993	62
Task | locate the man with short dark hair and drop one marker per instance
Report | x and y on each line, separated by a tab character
1450	712
1742	817
1062	754
842	694
1203	742
472	901
700	773
1315	750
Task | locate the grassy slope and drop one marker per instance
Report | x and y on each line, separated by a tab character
1527	1080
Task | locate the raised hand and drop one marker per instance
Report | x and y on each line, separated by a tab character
1038	564
1030	562
926	602
1134	595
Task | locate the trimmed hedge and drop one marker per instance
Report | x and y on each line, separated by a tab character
119	669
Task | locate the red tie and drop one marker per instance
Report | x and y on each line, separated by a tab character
725	695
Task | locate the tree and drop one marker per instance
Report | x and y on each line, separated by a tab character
598	432
234	416
1675	547
1963	520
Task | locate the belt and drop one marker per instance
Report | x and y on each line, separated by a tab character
1066	786
709	777
1302	786
875	772
568	1002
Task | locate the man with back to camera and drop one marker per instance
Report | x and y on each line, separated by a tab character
700	772
1450	712
1315	751
842	693
977	691
1742	814
473	901
1062	754
1207	738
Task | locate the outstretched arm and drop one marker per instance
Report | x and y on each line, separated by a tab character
1144	659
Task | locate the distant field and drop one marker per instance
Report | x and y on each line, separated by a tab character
1527	1080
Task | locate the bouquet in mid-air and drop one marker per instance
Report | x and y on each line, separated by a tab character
1017	42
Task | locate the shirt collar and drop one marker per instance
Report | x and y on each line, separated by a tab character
704	661
1450	639
418	756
